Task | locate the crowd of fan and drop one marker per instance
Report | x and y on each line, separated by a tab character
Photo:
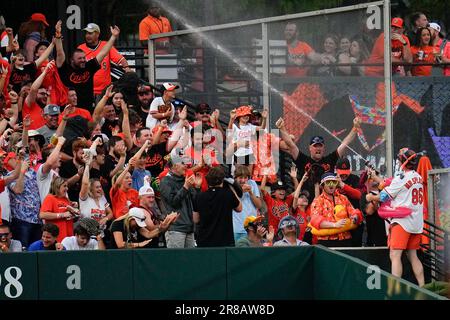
86	164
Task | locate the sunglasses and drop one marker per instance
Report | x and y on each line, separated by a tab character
204	112
331	183
143	93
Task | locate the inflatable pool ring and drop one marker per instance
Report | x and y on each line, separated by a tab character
349	225
340	212
385	211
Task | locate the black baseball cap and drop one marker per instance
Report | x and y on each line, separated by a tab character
202	107
279	185
316	139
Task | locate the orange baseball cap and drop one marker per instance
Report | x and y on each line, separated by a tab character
39	17
243	111
397	22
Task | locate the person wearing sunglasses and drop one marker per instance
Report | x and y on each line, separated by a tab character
323	215
288	231
7	243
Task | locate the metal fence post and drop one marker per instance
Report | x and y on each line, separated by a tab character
266	67
151	62
388	86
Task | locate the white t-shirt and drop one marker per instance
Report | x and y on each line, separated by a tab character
44	182
15	246
408	192
70	243
244	133
89	209
4	203
152	122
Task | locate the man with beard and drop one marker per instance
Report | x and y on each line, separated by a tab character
51	113
36	100
145	97
72	170
316	163
79	74
298	52
92	48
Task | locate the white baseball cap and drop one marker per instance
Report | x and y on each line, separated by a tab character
92	27
435	26
146	191
139	216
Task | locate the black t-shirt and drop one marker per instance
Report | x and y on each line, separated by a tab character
154	161
376	228
108	126
82	80
215	208
19	76
317	168
133	237
67	171
143	115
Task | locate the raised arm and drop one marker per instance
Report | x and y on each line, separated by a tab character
293	149
298	189
60	55
53	158
45	54
85	181
126	125
98	111
349	138
115	31
31	98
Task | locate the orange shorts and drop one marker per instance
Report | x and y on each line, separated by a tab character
399	239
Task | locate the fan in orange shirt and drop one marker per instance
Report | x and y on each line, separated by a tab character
423	53
92	48
58	209
154	23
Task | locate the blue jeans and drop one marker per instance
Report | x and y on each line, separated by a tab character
25	232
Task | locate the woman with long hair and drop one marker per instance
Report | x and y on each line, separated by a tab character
58	209
93	203
32	32
358	54
130	230
423	52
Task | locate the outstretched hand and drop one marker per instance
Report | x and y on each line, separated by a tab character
115	31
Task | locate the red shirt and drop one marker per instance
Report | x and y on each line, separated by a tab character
302	220
57	205
422	55
277	209
36	114
77	112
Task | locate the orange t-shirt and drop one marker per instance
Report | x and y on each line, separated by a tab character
297	56
78	112
57	205
119	200
151	25
102	78
422	55
36	114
